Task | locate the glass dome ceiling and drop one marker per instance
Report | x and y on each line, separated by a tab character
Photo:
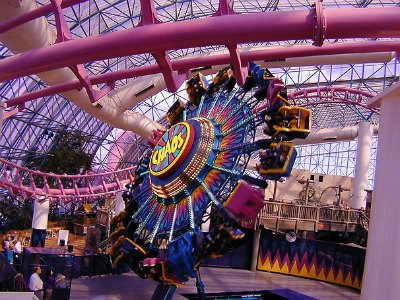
36	123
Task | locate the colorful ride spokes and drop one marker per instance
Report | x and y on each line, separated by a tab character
194	164
196	168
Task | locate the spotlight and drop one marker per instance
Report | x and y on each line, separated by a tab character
290	236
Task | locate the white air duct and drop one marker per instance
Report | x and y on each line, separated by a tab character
36	34
327	135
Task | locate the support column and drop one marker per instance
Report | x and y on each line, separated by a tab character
40	218
381	272
119	203
2	107
363	159
256	247
119	207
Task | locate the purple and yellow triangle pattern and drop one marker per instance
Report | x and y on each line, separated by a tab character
326	262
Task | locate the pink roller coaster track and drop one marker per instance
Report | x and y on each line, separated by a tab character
20	180
329	94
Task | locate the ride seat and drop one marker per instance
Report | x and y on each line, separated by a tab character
277	161
175	112
245	201
196	88
289	122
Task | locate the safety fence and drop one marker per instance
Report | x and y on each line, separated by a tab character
309	217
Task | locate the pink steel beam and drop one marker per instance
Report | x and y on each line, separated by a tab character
149	17
182	66
240	69
83	186
321	92
63	35
320	26
242	28
76	84
300	93
225	8
172	79
76	192
149	13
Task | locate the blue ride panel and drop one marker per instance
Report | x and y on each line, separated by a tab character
183	253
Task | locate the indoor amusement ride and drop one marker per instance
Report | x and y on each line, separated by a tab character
194	189
196	170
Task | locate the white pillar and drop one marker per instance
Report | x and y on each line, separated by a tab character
41	210
40	219
3	105
363	159
382	271
119	203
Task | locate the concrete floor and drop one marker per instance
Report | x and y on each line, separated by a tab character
129	286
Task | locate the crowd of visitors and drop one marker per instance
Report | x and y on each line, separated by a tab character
12	247
43	290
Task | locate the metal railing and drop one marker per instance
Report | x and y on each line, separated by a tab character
322	217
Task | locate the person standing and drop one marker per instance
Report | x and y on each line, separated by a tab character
48	284
18	251
10	253
36	283
6	242
61	282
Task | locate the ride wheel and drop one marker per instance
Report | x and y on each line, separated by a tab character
195	171
195	164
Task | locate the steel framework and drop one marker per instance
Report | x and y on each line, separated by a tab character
38	110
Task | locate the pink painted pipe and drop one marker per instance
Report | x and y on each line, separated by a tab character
184	65
242	28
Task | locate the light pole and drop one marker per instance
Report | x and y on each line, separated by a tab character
339	194
307	182
275	188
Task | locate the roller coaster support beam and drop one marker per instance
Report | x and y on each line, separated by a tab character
200	286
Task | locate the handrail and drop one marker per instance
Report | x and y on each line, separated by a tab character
308	213
31	183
